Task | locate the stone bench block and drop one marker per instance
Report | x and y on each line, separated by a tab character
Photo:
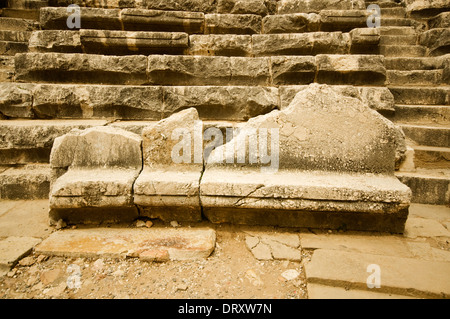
16	99
224	45
343	20
207	70
291	23
232	23
307	6
93	175
61	41
301	43
81	68
318	174
168	188
231	103
351	69
260	7
287	70
440	21
98	101
365	40
158	20
90	18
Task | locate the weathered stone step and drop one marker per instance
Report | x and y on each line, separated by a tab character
12	47
350	270
428	186
15	36
305	6
414	63
27	4
30	141
30	14
428	135
431	157
415	77
384	4
126	19
135	102
437	41
397	12
421	95
200	70
422	114
403	50
15	24
396	22
398	40
396	30
25	182
158	244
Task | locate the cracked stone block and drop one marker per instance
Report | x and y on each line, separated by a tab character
93	175
343	20
440	21
168	186
316	175
365	40
425	8
260	7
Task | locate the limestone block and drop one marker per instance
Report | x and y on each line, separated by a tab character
319	174
291	23
206	70
90	18
98	101
351	69
233	103
342	20
168	186
158	20
81	68
104	163
260	7
232	23
16	99
215	44
14	36
437	41
129	42
365	40
55	41
291	70
311	43
206	6
307	6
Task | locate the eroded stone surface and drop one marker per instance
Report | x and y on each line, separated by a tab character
14	248
266	246
149	244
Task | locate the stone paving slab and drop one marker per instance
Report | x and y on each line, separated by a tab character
267	246
422	227
316	291
25	219
155	244
404	276
12	249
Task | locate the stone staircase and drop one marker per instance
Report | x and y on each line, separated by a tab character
134	63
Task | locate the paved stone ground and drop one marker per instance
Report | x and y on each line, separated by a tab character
40	261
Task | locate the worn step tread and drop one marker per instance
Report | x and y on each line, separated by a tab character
414	77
